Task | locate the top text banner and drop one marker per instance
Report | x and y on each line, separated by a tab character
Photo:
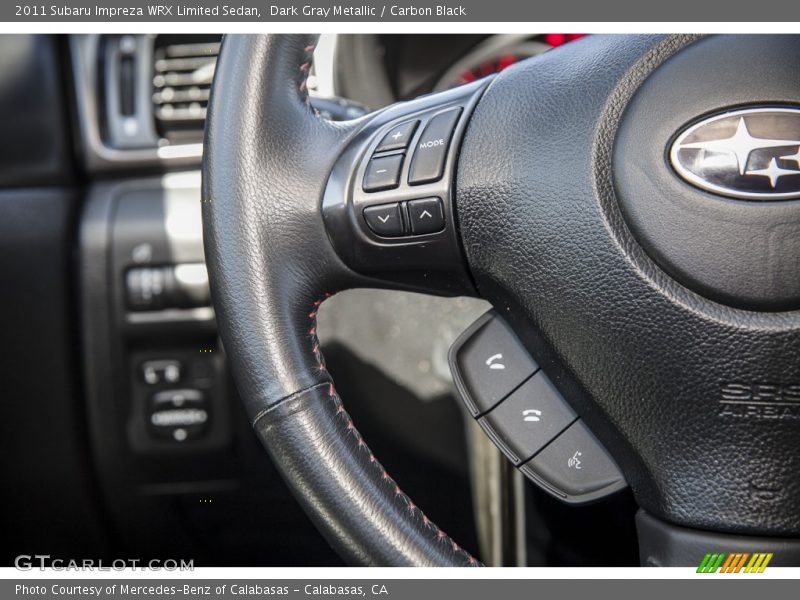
463	11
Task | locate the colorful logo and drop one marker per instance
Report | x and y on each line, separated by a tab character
736	562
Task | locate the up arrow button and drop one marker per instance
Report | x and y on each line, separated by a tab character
425	215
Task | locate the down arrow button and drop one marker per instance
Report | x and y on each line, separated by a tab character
384	219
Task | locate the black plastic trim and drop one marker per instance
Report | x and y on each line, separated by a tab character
662	544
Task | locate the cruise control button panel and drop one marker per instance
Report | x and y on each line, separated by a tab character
575	467
384	175
527	417
403	158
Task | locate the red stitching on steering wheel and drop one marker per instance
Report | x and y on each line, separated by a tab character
412	508
305	71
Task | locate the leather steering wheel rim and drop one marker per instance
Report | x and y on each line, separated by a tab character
258	210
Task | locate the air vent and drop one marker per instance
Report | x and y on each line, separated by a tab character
183	67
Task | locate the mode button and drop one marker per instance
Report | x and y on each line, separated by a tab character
430	151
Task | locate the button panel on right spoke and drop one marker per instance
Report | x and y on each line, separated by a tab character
526	416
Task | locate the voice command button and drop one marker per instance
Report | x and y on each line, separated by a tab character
575	468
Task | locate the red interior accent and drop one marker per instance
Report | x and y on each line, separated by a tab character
506	60
559	39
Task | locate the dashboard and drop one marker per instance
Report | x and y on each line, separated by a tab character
389	68
142	99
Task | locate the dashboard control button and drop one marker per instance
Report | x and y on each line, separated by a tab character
177	398
488	363
146	288
575	467
178	415
398	137
167	286
528	419
383	173
430	150
385	219
155	372
426	215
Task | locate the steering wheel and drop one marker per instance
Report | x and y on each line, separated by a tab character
654	282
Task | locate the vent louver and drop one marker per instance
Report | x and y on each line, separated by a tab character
183	68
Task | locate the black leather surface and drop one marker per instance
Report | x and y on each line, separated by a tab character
267	158
340	483
642	358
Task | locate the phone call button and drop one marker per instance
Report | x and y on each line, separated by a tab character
490	363
528	419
